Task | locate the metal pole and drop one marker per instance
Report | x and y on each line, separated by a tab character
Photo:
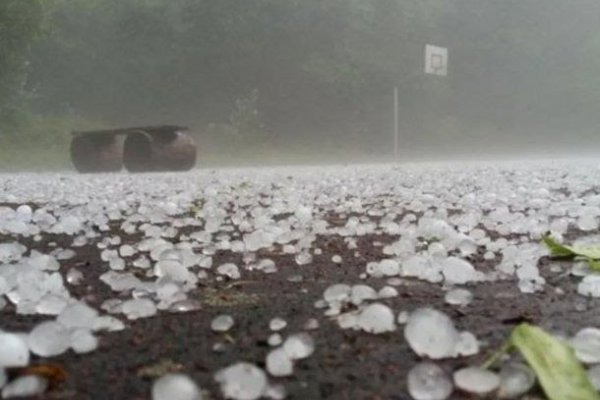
396	128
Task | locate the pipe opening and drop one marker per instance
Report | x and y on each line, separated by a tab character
96	153
138	152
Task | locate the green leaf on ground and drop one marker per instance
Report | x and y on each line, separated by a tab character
557	249
594	264
560	374
589	253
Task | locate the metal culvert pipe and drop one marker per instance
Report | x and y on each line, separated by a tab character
96	153
175	152
138	153
159	151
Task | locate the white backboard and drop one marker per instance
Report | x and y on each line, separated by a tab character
436	60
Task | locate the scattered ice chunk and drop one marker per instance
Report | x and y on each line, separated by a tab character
403	317
25	386
279	363
467	247
431	333
467	345
336	259
457	271
158	248
437	249
434	228
516	379
257	240
65	254
376	318
580	269
458	297
43	262
51	304
289	249
589	286
311	324
112	306
587	223
303	214
275	340
24	212
586	344
530	280
299	346
79	241
337	293
108	323
427	381
142	262
120	282
167	289
303	258
219	347
187	305
580	306
361	293
173	269
202	274
229	270
222	323
107	255
321	303
77	315
33	284
387	292
267	266
529	286
383	268
48	339
83	341
275	392
126	250
175	387
74	276
138	308
348	320
422	268
11	252
13	351
476	380
277	324
242	381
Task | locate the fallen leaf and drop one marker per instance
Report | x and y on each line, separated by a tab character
591	254
159	369
55	374
560	374
557	249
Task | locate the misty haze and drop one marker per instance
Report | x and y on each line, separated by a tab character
300	199
293	81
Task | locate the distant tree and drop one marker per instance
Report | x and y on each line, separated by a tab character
20	25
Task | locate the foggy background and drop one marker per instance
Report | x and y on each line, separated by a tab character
301	80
